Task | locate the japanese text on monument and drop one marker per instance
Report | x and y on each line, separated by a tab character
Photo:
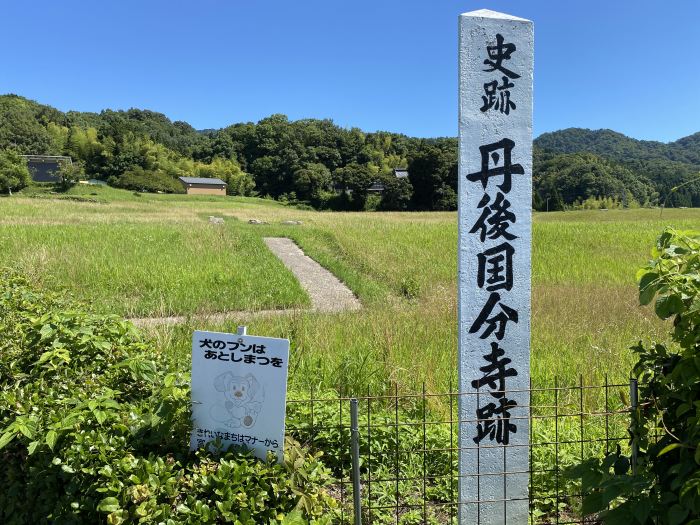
495	261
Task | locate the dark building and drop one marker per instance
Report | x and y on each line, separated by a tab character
378	187
46	168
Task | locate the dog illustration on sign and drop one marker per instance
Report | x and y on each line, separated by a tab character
243	400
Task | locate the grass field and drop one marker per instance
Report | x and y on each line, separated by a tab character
132	260
158	255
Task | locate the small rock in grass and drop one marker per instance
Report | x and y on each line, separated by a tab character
292	222
256	221
216	220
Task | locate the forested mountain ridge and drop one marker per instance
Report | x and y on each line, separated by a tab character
673	168
327	166
619	147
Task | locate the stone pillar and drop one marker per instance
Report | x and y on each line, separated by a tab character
495	196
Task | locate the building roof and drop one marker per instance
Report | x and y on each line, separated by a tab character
201	180
47	158
401	173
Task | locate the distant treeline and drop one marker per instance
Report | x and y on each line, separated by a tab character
573	166
329	167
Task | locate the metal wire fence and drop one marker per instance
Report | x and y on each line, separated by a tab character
406	459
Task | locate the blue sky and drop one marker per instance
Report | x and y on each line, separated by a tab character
632	66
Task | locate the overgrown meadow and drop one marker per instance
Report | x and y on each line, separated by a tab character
141	255
158	255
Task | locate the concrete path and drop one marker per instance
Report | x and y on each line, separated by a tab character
326	292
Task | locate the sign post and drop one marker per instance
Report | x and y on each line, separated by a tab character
495	196
239	391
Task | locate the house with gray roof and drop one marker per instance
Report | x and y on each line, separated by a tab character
203	186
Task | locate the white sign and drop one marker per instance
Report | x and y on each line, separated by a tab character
495	195
239	391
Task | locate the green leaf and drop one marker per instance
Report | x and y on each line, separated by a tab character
26	427
682	409
51	438
669	448
109	504
294	518
611	492
622	465
641	510
668	305
593	503
647	287
677	514
618	516
6	438
100	415
46	331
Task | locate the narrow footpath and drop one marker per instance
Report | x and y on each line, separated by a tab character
327	293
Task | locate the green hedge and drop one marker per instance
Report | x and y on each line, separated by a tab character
139	179
92	430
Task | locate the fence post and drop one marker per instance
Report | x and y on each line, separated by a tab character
355	445
634	404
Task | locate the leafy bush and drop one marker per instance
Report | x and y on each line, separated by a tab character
92	428
386	453
662	486
14	174
145	180
237	181
70	174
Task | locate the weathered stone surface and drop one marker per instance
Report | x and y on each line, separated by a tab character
495	195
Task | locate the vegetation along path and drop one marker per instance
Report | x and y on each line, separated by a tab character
327	293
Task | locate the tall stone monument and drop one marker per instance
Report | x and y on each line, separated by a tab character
495	196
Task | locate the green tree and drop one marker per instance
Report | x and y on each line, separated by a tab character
139	179
571	178
70	174
313	182
355	179
660	484
14	174
664	165
433	173
397	193
23	125
238	182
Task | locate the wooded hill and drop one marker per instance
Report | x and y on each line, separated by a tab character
310	160
580	163
327	166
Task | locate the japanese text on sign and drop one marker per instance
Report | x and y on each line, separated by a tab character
239	385
497	96
495	263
